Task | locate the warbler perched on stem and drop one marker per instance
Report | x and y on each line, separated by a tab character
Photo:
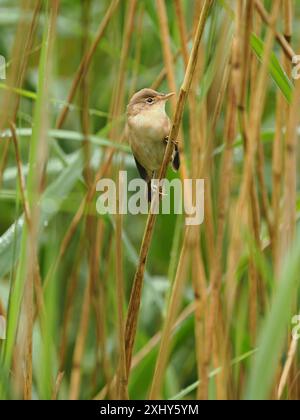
147	131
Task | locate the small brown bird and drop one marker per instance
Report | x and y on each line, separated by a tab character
147	130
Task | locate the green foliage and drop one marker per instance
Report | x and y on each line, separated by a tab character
253	364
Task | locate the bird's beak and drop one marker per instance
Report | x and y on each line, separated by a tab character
167	96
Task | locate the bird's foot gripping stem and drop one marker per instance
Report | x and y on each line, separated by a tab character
174	142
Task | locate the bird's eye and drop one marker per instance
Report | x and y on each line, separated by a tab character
149	100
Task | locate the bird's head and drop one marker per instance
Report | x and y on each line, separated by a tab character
147	100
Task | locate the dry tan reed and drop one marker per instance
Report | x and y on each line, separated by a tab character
80	310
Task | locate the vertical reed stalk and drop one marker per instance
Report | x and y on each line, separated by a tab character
135	298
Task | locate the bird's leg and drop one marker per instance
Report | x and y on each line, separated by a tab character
154	186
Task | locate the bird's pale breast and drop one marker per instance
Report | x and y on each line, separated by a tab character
148	130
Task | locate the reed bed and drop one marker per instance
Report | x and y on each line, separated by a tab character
144	306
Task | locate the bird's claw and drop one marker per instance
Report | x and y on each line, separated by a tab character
174	142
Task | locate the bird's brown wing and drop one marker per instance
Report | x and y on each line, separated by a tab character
176	158
142	171
144	175
176	155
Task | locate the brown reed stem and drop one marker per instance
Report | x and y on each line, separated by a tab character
80	341
135	298
267	19
16	77
182	31
165	38
175	297
59	379
216	274
257	107
170	71
86	62
151	344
